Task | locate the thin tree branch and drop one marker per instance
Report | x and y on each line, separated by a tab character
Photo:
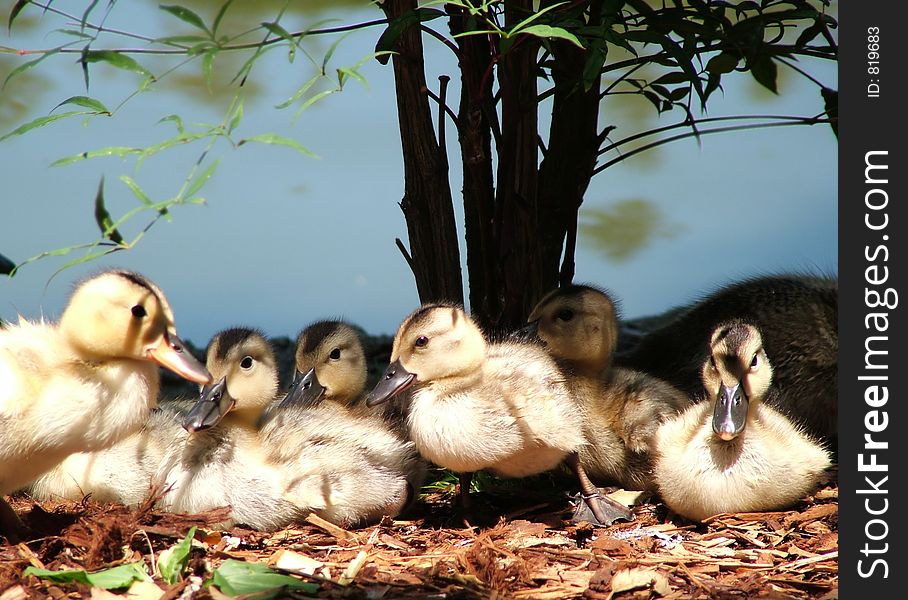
451	45
687	123
448	110
682	136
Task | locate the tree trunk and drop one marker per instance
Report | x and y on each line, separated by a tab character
567	168
476	116
427	203
517	221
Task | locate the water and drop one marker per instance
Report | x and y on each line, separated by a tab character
285	240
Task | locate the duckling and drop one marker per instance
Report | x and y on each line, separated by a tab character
331	366
622	408
202	455
334	458
88	381
504	406
271	467
797	315
222	462
734	453
347	466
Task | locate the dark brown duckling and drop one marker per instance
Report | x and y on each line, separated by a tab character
621	408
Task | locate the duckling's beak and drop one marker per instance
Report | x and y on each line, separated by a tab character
213	404
395	380
529	333
171	353
730	413
305	390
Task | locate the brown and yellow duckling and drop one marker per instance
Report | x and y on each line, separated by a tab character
732	452
797	316
621	408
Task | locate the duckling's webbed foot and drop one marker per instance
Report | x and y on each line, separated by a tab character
595	508
600	510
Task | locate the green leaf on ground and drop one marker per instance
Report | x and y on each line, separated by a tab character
236	578
109	579
172	561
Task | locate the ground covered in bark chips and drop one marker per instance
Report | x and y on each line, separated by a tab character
526	548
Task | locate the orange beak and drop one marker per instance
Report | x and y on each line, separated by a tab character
171	354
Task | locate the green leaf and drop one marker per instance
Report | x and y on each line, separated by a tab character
86	102
683	59
115	59
109	579
137	191
120	151
199	181
273	138
185	15
102	217
217	19
300	92
176	121
764	70
235	578
278	31
29	65
207	62
388	39
17	8
312	100
547	31
673	77
521	27
40	122
236	118
343	72
724	62
172	561
593	66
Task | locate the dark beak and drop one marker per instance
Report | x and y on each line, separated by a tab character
528	333
213	404
730	413
395	380
305	390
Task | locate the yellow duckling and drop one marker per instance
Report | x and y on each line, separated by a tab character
734	453
202	455
797	316
272	468
87	382
504	407
331	366
622	408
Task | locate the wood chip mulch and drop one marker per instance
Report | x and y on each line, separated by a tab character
529	550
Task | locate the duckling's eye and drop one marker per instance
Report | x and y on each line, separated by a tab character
246	363
565	314
138	311
421	341
755	362
335	354
712	363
